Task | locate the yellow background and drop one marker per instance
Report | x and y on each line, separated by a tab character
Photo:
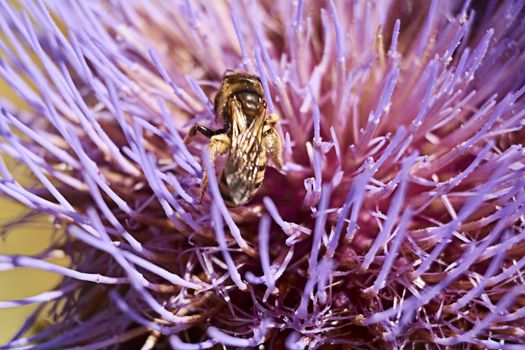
28	239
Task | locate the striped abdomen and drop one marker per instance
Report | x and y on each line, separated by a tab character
241	179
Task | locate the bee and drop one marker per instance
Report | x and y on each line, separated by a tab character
248	137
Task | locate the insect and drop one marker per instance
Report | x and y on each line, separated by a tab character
248	137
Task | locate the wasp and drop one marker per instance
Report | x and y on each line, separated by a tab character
248	137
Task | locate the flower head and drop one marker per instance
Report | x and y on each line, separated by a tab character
397	219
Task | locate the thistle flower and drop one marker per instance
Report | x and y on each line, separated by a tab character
397	220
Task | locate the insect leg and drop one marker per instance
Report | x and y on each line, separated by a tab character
272	119
272	141
219	145
209	133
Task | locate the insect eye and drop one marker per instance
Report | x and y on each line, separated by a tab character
252	103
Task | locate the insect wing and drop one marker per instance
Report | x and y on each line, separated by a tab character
247	157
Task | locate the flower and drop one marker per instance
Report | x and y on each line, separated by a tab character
398	218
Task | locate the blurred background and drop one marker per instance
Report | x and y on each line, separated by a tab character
29	237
